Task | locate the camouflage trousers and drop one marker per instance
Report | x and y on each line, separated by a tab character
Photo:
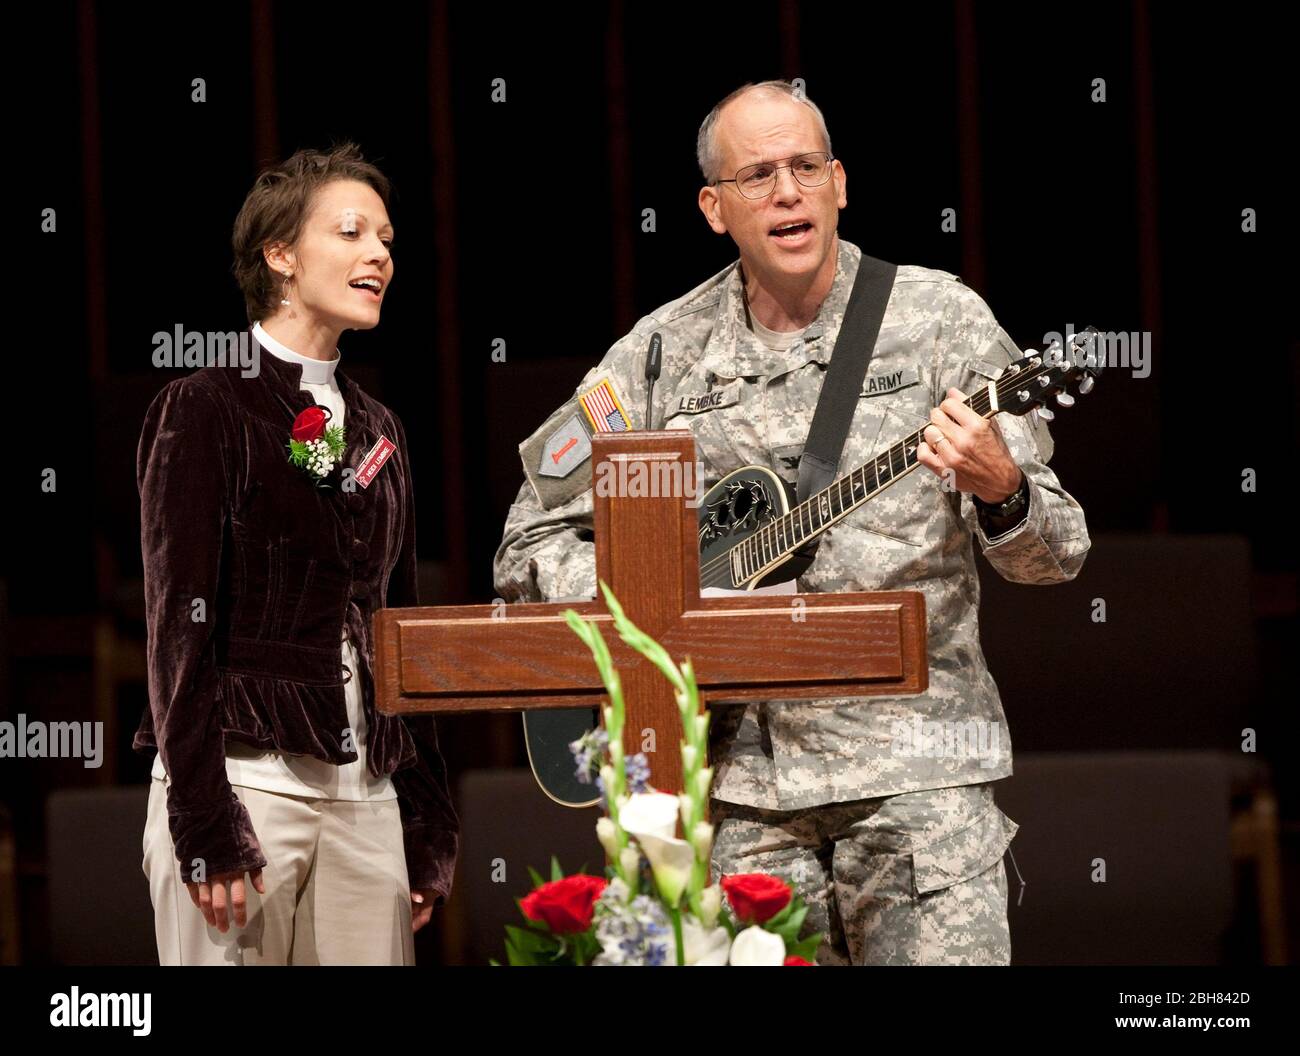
913	878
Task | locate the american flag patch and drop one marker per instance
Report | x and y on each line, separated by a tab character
604	410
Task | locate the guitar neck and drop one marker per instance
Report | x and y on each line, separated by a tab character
776	540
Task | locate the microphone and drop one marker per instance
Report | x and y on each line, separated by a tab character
653	361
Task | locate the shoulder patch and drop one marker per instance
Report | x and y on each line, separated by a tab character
603	408
565	449
556	457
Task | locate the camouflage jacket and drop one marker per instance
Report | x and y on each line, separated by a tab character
757	409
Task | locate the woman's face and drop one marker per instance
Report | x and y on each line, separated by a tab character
342	263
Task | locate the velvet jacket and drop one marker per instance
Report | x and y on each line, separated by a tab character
250	573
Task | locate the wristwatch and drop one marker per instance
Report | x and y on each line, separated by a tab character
1010	506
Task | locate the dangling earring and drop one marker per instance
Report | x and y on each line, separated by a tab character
284	290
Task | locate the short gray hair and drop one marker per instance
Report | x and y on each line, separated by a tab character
706	143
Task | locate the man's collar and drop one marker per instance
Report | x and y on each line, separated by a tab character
313	372
736	351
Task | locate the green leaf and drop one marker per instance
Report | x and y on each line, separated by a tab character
805	948
531	941
537	877
519	956
774	922
724	918
556	872
298	453
788	929
640	641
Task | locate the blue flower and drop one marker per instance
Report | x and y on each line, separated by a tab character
588	754
638	773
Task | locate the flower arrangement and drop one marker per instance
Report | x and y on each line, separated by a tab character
655	905
314	446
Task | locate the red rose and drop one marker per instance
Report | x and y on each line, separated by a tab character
756	897
797	962
310	424
565	905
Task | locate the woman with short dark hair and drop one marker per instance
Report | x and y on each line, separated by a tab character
277	515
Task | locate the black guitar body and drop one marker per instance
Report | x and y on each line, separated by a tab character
730	512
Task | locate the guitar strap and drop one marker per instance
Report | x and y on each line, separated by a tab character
841	388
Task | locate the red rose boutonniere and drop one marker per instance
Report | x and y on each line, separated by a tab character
314	445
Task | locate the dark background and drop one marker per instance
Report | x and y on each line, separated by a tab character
522	221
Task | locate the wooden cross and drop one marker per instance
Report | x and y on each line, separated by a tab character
463	658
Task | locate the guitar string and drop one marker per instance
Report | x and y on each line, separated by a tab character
769	533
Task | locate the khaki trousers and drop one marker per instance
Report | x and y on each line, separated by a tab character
335	878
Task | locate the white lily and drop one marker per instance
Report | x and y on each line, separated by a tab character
651	819
757	948
670	862
704	947
652	812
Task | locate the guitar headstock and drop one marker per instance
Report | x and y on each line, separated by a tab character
1028	383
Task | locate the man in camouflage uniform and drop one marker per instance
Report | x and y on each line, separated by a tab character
879	810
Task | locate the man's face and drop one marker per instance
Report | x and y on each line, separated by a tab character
342	264
761	128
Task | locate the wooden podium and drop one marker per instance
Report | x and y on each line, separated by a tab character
461	658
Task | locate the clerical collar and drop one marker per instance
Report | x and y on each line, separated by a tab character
314	371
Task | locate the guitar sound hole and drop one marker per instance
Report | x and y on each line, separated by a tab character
742	505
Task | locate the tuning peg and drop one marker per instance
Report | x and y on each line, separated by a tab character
1022	395
1085	386
1064	399
1045	414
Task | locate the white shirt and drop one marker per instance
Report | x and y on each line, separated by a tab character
305	775
776	340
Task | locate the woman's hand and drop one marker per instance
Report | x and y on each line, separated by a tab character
214	901
422	900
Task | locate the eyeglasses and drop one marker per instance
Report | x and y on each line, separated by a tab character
758	181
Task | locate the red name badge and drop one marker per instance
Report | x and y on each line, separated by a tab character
374	461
